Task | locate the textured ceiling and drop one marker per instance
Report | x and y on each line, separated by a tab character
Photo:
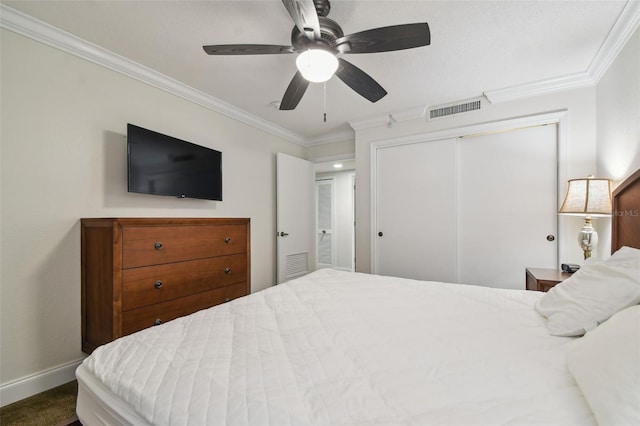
476	46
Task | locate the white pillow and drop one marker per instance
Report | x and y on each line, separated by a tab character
606	366
625	254
591	295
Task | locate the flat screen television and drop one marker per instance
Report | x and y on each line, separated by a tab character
163	165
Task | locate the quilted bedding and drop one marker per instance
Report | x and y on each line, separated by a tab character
336	348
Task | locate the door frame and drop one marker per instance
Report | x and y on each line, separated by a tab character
352	172
331	182
560	118
353	221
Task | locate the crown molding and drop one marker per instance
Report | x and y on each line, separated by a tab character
40	31
26	25
617	38
542	87
368	122
622	30
338	136
389	119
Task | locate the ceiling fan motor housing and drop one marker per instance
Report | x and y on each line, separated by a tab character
322	7
329	30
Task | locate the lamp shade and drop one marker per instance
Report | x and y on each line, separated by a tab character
317	65
588	197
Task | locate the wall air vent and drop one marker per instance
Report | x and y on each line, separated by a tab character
297	264
455	108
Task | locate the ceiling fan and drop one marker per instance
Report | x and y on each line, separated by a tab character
320	40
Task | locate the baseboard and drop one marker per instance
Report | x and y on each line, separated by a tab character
38	382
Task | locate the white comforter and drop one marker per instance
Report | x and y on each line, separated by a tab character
337	348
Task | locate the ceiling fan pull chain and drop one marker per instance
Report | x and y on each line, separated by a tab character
325	101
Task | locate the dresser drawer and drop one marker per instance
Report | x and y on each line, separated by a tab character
153	284
154	245
160	313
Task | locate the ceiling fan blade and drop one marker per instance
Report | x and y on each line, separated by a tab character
386	39
294	92
304	15
246	49
359	81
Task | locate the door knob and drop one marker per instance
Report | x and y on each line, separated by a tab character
283	234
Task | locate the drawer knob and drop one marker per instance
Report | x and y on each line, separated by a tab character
158	284
227	270
227	240
158	245
228	299
158	322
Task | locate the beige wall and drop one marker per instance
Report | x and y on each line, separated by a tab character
330	151
618	114
618	118
63	157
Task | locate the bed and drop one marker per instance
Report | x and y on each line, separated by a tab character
336	348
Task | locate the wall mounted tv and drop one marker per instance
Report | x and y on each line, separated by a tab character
163	165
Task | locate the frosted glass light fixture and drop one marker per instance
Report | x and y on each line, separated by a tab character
317	65
588	197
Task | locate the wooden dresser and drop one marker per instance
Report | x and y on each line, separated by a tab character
139	272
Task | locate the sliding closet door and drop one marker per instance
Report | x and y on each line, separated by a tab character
474	210
507	204
415	211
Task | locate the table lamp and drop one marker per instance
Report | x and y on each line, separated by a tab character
588	197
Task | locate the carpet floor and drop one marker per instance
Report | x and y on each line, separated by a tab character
55	407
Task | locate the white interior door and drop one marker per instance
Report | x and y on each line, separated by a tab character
507	205
415	211
295	216
474	210
325	220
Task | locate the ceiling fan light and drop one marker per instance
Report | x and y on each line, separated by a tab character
317	65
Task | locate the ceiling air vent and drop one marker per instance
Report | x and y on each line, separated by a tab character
456	108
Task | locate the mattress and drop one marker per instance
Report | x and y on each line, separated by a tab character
335	348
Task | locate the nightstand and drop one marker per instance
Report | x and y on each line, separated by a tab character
542	279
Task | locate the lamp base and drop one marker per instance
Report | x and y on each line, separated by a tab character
588	238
